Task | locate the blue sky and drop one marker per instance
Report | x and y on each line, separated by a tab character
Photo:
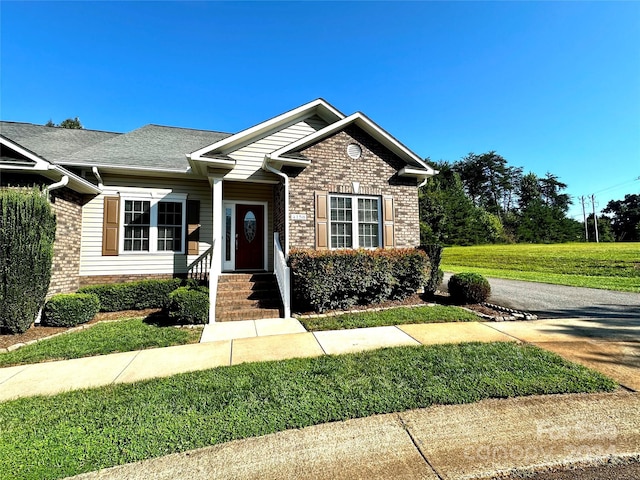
551	86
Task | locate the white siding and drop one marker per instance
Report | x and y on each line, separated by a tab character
249	158
93	263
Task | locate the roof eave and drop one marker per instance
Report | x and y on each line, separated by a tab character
46	168
417	172
200	165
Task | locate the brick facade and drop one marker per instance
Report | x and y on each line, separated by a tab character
65	270
333	171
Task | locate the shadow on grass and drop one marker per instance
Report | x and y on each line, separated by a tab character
159	319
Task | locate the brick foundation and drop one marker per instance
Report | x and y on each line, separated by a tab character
104	279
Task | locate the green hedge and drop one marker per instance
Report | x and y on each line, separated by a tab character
189	305
71	309
27	233
342	278
469	288
133	295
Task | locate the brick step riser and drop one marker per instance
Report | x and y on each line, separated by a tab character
250	294
236	278
245	304
247	287
247	315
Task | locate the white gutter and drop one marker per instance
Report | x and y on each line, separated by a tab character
284	176
97	175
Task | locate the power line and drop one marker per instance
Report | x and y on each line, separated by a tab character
619	185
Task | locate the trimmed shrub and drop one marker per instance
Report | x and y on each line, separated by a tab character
343	278
189	305
434	252
70	309
469	288
138	295
27	233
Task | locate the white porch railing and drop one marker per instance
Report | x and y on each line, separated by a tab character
282	273
200	267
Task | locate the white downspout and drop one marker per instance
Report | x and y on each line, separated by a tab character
54	186
286	201
97	175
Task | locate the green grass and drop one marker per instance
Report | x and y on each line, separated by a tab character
75	432
610	266
393	316
121	336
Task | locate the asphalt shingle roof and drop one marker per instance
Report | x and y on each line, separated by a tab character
152	146
52	143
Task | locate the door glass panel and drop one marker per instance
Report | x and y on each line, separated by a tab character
227	239
250	226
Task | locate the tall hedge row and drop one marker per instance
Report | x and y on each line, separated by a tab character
343	278
27	233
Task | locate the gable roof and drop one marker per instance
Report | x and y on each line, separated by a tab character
317	107
153	147
52	142
416	167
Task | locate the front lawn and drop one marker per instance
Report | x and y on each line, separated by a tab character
392	316
109	337
609	266
75	432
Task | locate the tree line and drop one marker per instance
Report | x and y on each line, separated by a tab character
482	199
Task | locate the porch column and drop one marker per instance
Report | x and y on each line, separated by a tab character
216	255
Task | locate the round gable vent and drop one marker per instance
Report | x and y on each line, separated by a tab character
354	151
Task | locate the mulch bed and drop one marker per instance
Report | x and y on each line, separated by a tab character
417	300
39	332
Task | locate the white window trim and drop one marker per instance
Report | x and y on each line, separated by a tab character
355	236
154	197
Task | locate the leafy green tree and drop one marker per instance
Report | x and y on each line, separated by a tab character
73	123
488	181
448	216
605	232
625	220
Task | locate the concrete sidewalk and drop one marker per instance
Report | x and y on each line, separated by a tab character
478	440
228	343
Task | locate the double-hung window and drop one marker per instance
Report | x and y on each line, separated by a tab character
355	221
153	225
137	224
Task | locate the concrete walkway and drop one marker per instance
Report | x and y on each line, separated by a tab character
478	440
228	343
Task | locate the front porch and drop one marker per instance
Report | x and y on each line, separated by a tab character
245	266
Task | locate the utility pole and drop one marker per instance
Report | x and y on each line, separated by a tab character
595	219
584	217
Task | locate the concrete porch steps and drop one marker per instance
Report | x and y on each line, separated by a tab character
247	296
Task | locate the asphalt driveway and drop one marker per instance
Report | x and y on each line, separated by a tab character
559	301
597	328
